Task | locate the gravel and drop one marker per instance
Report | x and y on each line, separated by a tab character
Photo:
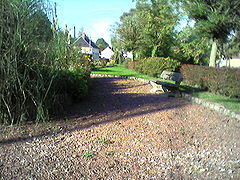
124	132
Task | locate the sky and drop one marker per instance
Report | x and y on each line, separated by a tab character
94	17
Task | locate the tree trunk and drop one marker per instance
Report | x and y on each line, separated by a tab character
213	55
133	55
154	50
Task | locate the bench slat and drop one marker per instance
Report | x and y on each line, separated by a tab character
173	76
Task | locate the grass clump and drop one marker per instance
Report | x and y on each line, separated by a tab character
88	154
104	141
110	153
37	67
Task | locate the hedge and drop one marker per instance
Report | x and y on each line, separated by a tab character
154	66
217	80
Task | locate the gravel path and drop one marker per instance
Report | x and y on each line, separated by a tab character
124	132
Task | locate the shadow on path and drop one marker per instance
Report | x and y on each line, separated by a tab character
110	100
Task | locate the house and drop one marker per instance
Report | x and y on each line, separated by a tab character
87	46
107	53
127	55
234	62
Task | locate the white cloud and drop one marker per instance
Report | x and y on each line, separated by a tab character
100	30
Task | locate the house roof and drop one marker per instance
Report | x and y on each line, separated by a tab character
84	41
108	47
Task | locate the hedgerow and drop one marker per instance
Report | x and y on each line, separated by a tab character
154	66
221	81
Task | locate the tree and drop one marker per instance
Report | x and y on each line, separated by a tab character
128	32
190	47
101	43
157	20
148	30
215	19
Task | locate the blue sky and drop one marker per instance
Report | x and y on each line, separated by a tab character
95	17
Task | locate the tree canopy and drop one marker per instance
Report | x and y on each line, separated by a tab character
151	29
215	19
101	43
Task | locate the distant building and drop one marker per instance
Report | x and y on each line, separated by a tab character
234	62
87	46
107	53
127	54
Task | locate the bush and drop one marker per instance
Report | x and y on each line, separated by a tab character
131	65
217	80
67	87
72	83
154	66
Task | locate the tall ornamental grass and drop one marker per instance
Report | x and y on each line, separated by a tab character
33	60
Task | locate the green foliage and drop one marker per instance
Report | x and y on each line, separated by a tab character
215	20
101	43
220	81
147	30
128	32
190	48
104	141
155	66
35	65
88	154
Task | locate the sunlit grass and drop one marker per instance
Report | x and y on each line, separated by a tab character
120	70
231	103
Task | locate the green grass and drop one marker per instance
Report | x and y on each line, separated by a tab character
88	154
103	141
230	103
110	153
120	70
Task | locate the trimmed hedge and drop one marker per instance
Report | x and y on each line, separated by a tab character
217	80
154	66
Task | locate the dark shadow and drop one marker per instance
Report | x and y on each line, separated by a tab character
107	99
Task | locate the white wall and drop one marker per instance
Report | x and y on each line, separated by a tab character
107	53
87	50
234	63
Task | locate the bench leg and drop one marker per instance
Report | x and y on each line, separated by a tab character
172	92
165	89
156	87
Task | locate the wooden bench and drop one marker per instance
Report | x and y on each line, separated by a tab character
171	88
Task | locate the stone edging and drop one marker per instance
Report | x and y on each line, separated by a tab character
214	106
122	77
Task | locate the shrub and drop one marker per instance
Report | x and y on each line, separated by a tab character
154	66
217	80
131	65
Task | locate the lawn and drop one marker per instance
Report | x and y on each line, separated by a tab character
120	70
230	103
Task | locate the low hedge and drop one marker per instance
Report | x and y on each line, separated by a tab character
154	66
217	80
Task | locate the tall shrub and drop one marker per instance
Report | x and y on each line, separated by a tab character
217	80
154	66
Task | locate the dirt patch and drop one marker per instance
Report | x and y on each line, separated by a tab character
124	132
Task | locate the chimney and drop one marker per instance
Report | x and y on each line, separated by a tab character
74	32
